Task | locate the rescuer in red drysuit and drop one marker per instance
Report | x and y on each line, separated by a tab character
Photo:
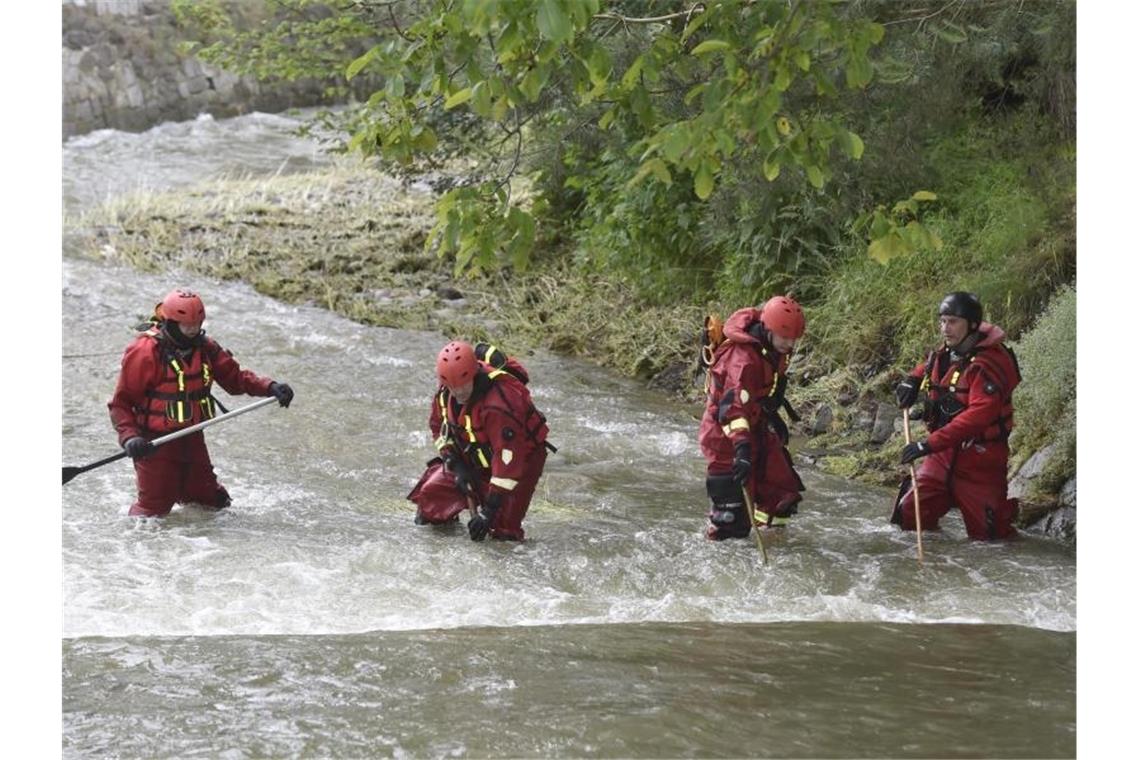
164	385
491	441
969	414
742	435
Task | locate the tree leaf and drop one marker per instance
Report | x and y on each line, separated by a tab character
886	248
815	176
695	24
355	67
711	46
633	73
457	98
924	195
859	72
783	78
552	21
771	166
703	182
599	64
654	166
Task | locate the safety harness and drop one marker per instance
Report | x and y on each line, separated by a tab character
948	397
464	436
182	396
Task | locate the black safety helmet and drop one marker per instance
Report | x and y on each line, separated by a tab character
964	305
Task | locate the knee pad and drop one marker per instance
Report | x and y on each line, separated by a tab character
722	489
727	516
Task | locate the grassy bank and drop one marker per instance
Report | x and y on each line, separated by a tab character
350	239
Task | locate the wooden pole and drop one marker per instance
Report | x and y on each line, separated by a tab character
752	518
914	485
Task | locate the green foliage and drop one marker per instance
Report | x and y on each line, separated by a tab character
1007	226
469	228
687	93
898	232
1046	401
278	40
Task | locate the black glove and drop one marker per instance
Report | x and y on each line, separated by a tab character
742	462
907	391
463	477
480	524
913	451
138	447
283	393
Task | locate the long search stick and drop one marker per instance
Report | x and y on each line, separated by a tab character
752	517
71	472
914	484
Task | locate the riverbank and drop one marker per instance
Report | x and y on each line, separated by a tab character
351	239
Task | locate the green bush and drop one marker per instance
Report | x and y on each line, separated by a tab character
1046	400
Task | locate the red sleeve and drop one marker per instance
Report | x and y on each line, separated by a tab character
511	447
229	374
139	372
748	379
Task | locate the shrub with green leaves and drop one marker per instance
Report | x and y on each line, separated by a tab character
1046	400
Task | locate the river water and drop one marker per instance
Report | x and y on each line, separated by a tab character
313	619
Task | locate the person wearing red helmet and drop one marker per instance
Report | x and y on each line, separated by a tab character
165	383
491	441
967	384
742	435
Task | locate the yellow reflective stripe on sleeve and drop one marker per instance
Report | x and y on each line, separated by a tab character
775	384
738	424
504	483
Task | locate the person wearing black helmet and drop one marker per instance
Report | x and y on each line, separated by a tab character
966	390
164	385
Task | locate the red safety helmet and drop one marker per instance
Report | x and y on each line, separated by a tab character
784	317
456	364
184	306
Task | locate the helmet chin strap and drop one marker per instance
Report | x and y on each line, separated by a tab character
171	329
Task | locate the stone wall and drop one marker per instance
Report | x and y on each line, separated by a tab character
122	70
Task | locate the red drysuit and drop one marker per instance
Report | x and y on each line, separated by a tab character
500	436
162	389
970	415
746	389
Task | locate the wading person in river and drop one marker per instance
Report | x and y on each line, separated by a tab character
742	435
968	383
491	441
164	385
